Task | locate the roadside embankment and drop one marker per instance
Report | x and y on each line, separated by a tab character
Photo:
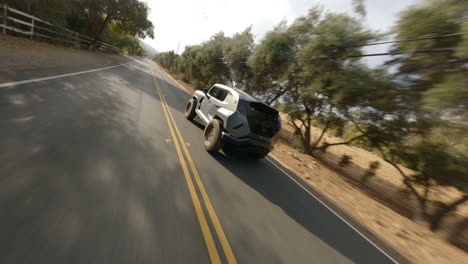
20	54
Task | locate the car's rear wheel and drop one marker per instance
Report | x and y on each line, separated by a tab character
212	136
190	109
258	153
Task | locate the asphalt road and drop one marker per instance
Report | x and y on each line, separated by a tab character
90	172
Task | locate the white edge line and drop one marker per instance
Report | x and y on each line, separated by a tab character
320	201
335	213
8	84
168	75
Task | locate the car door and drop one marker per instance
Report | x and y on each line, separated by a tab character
217	101
207	104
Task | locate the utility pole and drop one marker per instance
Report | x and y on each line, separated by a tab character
178	48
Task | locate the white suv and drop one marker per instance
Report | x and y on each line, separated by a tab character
230	115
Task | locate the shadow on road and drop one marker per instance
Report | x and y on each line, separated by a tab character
279	189
83	181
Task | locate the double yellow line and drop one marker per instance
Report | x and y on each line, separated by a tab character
182	149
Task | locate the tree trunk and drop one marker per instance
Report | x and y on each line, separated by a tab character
436	219
406	180
98	37
407	183
276	96
306	141
336	144
321	135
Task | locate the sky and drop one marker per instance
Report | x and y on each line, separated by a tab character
179	23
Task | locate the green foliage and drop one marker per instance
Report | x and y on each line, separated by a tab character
437	161
131	45
449	96
270	62
442	83
219	60
370	172
236	50
430	133
359	7
214	69
374	165
54	11
168	60
115	22
308	65
345	161
203	64
131	15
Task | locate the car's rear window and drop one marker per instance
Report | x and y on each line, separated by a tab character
263	120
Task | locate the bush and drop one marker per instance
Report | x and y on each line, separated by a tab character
345	161
370	172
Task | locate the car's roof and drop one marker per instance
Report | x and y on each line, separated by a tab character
242	95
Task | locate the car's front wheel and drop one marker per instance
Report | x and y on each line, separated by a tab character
212	136
190	109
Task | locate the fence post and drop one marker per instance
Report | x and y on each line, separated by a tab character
5	13
77	41
32	29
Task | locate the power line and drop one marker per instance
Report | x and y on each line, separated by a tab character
395	53
393	41
366	55
384	53
406	40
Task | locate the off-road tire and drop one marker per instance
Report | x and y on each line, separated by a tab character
212	136
190	109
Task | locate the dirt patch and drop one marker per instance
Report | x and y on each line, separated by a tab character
376	204
23	54
410	236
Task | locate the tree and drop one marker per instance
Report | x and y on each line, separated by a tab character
236	50
269	64
131	45
434	75
131	15
355	95
437	92
210	60
168	60
54	11
304	63
203	65
220	59
187	65
359	7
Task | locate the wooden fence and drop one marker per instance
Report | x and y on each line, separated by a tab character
19	22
